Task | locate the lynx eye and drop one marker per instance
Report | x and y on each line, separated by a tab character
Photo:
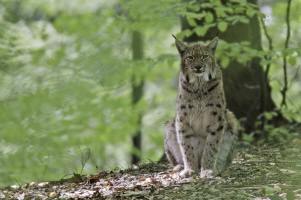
204	57
190	58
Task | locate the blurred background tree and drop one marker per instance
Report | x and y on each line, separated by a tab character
75	85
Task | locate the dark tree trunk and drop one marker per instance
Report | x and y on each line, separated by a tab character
137	93
247	91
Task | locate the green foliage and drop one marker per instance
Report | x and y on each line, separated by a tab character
65	81
271	190
225	15
284	133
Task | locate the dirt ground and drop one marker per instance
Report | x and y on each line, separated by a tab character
265	172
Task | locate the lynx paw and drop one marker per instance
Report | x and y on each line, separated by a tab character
178	167
208	173
187	173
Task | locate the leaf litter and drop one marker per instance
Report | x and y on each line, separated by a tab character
261	173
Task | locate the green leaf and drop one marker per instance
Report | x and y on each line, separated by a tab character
191	21
277	188
216	3
200	31
220	11
209	17
251	12
269	115
195	15
238	1
275	197
261	15
187	32
222	26
290	195
292	61
244	20
193	7
240	10
225	61
268	190
247	137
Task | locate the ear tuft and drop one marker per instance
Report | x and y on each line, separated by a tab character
180	46
213	44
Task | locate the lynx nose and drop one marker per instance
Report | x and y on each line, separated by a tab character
198	67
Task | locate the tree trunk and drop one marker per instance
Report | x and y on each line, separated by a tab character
137	93
247	91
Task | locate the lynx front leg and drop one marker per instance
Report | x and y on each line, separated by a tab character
185	137
209	157
211	149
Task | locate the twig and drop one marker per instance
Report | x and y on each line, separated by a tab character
270	42
244	188
259	187
288	34
17	181
248	195
268	161
83	159
265	79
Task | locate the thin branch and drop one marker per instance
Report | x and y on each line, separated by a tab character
83	159
245	188
265	81
17	182
288	31
271	161
270	42
288	34
259	187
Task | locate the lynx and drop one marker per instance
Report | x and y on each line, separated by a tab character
203	134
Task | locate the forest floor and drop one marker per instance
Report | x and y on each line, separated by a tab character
266	172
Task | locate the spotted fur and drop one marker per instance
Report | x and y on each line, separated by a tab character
202	136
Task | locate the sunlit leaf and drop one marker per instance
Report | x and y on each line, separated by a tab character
225	61
244	20
209	17
261	15
191	21
222	26
275	197
290	195
292	61
200	30
251	12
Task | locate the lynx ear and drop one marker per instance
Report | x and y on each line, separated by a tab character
180	46
213	44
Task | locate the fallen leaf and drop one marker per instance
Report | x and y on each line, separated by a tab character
108	183
93	179
102	172
32	184
43	184
52	194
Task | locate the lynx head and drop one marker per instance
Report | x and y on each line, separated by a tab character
198	60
